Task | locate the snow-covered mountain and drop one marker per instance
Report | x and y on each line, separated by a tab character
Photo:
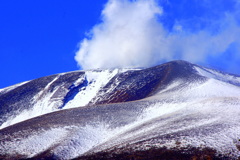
177	110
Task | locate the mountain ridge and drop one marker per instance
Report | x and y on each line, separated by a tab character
170	108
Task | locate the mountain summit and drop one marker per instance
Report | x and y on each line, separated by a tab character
176	110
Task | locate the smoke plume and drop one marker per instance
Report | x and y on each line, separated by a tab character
136	34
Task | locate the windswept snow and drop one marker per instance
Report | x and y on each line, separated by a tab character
197	112
7	89
192	119
35	143
95	81
211	88
47	101
42	104
217	75
203	122
82	139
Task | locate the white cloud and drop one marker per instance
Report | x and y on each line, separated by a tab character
128	36
131	35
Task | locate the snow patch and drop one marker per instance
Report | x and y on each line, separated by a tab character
217	75
7	89
198	90
34	144
43	104
212	88
83	139
95	81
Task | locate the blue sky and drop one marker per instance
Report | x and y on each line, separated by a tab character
40	38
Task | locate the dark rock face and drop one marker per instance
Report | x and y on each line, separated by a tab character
135	85
170	111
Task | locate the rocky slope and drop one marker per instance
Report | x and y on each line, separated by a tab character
177	110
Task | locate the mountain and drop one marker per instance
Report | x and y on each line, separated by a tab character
176	110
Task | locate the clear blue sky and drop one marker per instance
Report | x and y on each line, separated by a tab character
40	37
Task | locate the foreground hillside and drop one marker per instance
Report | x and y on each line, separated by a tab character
177	110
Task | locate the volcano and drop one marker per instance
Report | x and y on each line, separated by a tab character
177	110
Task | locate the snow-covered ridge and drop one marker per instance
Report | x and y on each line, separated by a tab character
89	87
183	105
218	75
48	100
7	89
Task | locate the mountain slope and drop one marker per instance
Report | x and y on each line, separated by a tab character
80	88
173	109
